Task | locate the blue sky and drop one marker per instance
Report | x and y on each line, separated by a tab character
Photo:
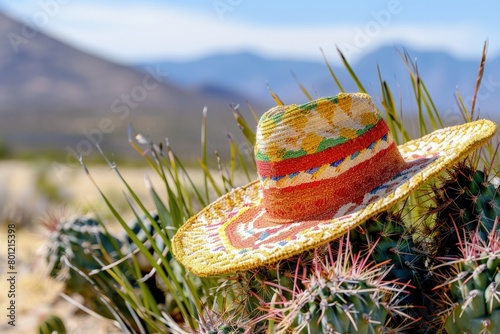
130	31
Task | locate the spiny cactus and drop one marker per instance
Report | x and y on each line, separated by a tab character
464	201
76	248
83	243
470	292
403	251
214	323
465	206
345	293
394	243
252	291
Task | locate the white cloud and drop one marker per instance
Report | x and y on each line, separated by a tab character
131	33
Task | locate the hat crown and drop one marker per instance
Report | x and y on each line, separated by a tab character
292	131
314	158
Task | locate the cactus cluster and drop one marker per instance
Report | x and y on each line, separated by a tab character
387	275
395	275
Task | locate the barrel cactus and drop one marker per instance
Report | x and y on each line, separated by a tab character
346	293
77	247
466	252
79	242
403	250
464	201
470	292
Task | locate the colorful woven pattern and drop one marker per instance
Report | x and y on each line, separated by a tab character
309	170
294	131
324	167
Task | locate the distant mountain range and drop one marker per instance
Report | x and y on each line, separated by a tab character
55	97
247	74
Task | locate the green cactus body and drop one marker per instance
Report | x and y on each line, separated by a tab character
84	244
344	307
86	247
397	247
469	287
394	245
475	297
465	201
466	256
51	325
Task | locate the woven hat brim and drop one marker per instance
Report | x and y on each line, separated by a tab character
205	247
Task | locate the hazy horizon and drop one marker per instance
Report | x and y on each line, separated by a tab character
133	31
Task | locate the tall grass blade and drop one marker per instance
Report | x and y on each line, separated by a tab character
462	107
275	97
209	178
232	156
393	120
479	78
243	125
302	88
187	306
254	114
332	73
351	72
432	112
204	146
203	201
415	80
240	157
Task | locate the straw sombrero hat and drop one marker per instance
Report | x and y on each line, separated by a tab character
324	167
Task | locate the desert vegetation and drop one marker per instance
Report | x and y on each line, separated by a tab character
427	265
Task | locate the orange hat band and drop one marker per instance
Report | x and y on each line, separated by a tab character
305	200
